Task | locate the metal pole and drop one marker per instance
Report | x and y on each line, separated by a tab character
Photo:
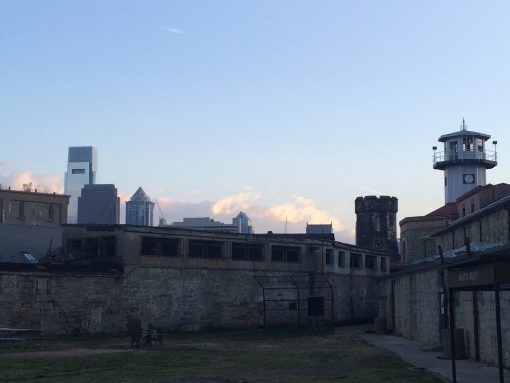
451	306
476	325
498	332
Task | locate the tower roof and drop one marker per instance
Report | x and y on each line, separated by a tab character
140	195
461	133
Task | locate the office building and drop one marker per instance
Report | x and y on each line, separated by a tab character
99	204
81	170
243	223
140	209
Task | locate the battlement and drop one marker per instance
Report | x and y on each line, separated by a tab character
376	204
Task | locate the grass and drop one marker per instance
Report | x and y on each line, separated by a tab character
244	356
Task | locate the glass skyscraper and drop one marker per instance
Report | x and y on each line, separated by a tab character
140	209
81	171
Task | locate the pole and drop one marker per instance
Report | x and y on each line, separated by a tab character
451	306
476	325
498	332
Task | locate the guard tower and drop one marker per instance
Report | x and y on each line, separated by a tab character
376	223
464	161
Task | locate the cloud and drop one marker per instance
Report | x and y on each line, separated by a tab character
174	30
11	177
243	201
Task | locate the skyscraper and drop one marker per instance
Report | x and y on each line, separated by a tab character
140	209
81	170
99	204
243	223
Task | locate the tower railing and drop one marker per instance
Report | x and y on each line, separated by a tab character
461	156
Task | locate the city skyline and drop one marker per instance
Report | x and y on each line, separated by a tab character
287	112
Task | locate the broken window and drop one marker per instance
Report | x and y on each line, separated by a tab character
284	254
247	252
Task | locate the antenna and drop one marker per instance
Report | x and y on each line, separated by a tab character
285	224
463	124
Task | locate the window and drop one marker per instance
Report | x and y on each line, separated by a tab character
21	209
377	223
163	247
329	256
78	171
92	246
383	264
341	259
284	254
247	252
370	262
205	249
50	211
356	260
472	206
1	210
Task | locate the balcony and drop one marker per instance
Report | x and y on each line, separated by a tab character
487	158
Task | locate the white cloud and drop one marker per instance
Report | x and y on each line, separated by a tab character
174	30
11	177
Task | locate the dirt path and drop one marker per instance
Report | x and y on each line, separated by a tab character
75	352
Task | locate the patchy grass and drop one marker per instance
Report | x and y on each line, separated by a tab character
244	356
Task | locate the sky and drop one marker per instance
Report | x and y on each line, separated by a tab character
286	110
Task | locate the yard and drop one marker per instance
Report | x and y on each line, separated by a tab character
247	356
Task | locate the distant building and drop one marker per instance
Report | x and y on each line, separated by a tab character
33	208
243	223
81	170
205	223
30	223
319	228
140	209
99	204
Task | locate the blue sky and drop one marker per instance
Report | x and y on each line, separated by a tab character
281	108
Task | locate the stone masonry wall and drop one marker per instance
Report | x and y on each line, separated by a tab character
60	303
417	313
171	298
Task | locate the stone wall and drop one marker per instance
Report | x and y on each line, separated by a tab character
171	298
60	303
417	313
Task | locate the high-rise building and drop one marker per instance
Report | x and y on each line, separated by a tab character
140	209
81	170
243	223
99	204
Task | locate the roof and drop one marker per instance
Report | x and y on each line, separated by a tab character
461	133
450	209
474	216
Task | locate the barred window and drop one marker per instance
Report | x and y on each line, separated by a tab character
284	254
164	247
247	252
205	249
356	260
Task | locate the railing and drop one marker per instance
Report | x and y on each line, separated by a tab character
487	155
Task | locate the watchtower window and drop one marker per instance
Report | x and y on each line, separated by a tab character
468	144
